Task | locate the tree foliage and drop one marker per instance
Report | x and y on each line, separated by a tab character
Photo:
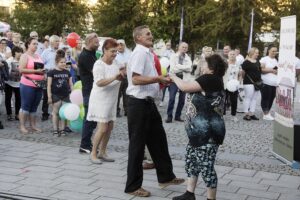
117	19
206	22
49	17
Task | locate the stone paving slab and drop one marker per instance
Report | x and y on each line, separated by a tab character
69	180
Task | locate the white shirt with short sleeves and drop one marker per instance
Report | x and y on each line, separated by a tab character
141	62
269	78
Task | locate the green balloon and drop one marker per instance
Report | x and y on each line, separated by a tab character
81	114
62	111
77	85
98	54
76	125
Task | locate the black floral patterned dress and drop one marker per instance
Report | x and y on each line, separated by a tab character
205	128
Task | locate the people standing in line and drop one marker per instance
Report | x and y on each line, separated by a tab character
9	36
12	85
103	99
31	85
45	42
169	51
144	121
59	86
76	51
5	51
48	57
252	73
201	62
180	64
16	40
122	58
86	61
40	47
225	52
4	73
71	64
233	72
269	66
205	125
239	57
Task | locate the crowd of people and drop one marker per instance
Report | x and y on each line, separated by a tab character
46	70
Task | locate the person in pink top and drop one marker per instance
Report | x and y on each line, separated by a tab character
31	85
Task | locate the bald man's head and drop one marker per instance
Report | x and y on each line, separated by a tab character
92	41
183	47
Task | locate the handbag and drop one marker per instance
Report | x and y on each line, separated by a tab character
39	84
258	85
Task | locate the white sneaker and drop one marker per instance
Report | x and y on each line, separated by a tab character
161	104
268	117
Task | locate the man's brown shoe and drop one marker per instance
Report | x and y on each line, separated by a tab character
141	192
148	166
175	181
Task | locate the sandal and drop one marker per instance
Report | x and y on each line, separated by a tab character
175	181
141	192
56	133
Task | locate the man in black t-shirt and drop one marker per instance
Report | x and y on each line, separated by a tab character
86	61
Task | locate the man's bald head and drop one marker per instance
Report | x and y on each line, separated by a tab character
183	47
92	41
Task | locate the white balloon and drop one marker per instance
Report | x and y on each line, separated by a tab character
72	112
232	85
164	62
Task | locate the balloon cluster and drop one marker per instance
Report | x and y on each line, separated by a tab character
74	111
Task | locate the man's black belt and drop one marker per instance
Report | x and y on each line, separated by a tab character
148	98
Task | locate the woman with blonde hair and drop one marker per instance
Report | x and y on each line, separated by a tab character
252	75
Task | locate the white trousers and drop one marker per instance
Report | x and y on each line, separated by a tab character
250	98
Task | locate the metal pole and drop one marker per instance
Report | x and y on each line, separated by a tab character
251	30
181	25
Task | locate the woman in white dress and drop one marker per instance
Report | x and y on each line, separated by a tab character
103	100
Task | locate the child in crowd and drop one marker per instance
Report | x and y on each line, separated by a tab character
59	88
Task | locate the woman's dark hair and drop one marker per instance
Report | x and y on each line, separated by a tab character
28	41
217	64
109	43
3	39
15	50
59	55
270	47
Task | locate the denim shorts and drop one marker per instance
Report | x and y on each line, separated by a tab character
30	98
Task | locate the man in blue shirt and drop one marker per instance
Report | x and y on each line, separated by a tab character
48	56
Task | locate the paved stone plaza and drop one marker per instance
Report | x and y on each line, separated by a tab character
47	167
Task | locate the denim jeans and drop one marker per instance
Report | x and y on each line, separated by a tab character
88	126
172	95
30	98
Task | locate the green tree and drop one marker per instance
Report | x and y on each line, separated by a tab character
117	19
49	17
